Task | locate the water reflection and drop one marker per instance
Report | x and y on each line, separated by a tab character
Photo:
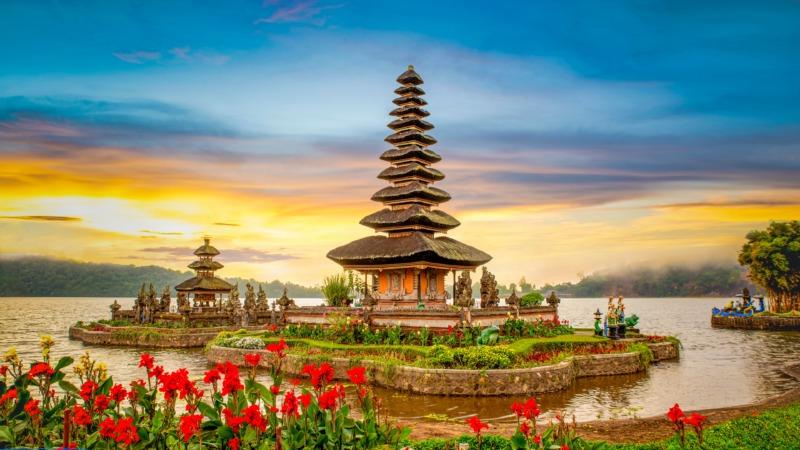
717	367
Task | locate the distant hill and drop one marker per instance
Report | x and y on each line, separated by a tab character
709	280
42	277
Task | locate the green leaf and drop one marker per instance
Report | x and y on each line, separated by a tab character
63	362
68	387
208	411
6	437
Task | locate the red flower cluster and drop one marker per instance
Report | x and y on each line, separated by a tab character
290	407
118	393
40	369
252	359
189	426
695	420
177	383
80	416
320	375
231	383
529	409
475	423
330	398
10	394
101	402
146	361
675	414
3	370
232	420
252	415
212	376
122	431
357	375
32	409
87	389
278	348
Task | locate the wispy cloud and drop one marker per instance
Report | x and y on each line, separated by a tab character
163	233
188	54
44	218
241	255
138	57
225	224
296	11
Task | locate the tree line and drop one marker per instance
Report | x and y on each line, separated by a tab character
43	277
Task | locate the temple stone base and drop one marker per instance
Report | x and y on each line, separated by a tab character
460	382
766	323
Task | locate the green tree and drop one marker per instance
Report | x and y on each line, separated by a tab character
772	257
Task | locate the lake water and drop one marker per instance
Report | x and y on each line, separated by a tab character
717	368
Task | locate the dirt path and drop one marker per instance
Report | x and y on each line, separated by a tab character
632	430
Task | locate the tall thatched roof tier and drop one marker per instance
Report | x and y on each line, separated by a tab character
413	217
201	283
205	264
410	199
206	249
421	249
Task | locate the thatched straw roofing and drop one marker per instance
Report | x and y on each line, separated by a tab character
409	170
410	122
413	215
408	100
413	190
206	249
411	152
415	247
204	284
410	77
205	265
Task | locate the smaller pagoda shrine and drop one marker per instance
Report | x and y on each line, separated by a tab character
408	265
205	289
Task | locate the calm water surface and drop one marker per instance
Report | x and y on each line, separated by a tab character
717	367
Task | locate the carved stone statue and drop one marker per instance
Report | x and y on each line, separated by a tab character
152	304
165	300
183	301
553	300
285	302
464	291
262	304
233	298
115	307
369	301
249	297
489	292
512	300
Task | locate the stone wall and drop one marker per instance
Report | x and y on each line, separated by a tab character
757	323
148	336
462	382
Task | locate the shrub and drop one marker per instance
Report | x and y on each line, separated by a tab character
441	355
531	299
336	289
483	357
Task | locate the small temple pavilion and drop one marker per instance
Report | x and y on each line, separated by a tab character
408	262
205	288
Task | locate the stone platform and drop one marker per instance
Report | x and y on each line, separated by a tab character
466	382
150	337
766	323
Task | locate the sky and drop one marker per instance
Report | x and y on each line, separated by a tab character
576	136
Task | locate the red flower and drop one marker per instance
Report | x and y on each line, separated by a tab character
695	419
319	375
564	447
101	403
290	406
362	392
537	439
125	432
275	389
212	376
232	420
32	408
10	394
87	389
118	393
278	348
146	361
107	428
357	375
233	444
189	426
305	400
231	383
3	370
675	414
295	381
476	424
252	415
176	382
525	429
329	399
155	372
80	416
252	359
40	369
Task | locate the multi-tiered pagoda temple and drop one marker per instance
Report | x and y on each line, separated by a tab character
205	288
409	263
